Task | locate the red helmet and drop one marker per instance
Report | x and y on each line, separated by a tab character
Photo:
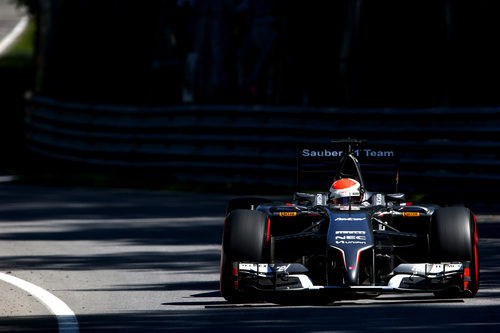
344	189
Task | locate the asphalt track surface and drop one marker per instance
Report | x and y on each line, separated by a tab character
9	17
140	261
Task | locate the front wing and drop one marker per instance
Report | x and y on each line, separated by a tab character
287	278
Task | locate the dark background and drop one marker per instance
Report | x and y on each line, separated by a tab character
398	61
272	52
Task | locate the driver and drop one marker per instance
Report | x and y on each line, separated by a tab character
345	190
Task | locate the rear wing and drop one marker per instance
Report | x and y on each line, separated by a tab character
319	164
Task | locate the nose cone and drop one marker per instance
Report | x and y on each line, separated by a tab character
351	234
352	270
351	263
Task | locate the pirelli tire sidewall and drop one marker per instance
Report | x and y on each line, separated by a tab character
453	237
244	239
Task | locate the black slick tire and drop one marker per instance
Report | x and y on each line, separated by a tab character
454	238
244	239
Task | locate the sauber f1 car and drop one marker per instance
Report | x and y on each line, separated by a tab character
347	242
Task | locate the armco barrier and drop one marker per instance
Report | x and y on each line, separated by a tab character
257	144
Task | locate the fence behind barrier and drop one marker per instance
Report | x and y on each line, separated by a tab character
451	147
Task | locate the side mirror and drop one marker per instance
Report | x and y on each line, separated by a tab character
396	197
298	196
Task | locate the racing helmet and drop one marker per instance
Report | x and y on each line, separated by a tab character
345	190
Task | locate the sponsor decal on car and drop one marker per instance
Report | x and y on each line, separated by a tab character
350	237
350	219
411	214
320	199
282	268
287	214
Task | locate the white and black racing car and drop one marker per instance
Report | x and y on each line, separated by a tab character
348	242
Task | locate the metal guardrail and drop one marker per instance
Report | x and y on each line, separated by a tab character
257	143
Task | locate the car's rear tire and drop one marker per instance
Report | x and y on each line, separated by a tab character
453	237
244	239
245	203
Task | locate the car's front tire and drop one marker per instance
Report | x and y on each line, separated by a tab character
245	238
454	238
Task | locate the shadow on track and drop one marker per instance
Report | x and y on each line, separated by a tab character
122	216
136	218
387	318
29	324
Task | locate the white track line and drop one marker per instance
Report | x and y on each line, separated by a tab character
65	316
13	34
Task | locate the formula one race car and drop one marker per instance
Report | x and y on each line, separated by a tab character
347	242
